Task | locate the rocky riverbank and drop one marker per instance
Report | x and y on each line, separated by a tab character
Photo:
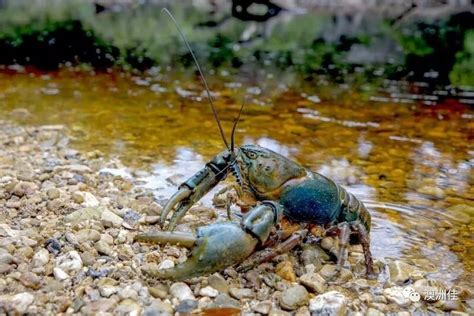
66	246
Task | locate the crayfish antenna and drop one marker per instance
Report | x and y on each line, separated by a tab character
201	74
232	134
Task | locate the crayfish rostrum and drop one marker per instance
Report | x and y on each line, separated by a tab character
270	187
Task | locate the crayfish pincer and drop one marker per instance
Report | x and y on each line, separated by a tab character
216	246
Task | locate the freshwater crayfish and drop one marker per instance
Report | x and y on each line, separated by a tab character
272	187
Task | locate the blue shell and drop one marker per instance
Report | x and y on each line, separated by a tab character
315	200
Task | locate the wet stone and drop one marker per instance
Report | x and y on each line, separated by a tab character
399	272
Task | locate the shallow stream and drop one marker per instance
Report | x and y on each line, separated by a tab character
407	152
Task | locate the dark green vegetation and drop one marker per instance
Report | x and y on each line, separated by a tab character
139	37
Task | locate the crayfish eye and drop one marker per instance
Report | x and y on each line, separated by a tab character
252	155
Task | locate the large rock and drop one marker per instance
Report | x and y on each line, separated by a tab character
294	297
332	303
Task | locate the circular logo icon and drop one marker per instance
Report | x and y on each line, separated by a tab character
414	296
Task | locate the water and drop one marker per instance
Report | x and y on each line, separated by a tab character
404	149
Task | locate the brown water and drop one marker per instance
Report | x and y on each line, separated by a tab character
411	162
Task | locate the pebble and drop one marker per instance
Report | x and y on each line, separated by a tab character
69	262
158	291
313	254
59	274
262	307
24	188
218	282
285	270
186	306
208	291
128	307
435	193
314	282
110	219
224	300
77	198
31	280
329	303
5	257
40	258
166	264
239	293
19	302
181	291
53	193
86	213
396	295
294	297
53	245
399	272
87	234
104	248
158	308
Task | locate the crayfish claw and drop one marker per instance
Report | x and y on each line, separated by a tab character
216	247
177	215
182	194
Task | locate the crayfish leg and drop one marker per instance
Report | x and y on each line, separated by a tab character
365	242
268	254
344	234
